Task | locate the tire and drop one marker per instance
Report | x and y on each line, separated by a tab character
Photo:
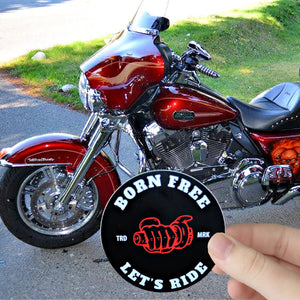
27	197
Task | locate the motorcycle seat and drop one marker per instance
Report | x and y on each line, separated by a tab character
276	109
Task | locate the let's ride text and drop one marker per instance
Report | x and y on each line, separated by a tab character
153	181
159	284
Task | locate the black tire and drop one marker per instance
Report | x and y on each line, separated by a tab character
30	231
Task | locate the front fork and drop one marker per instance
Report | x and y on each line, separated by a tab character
100	130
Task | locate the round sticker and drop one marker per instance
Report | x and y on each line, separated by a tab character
156	227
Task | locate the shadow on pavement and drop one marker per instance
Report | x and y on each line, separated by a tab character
23	116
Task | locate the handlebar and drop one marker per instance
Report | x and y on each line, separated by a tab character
207	71
190	60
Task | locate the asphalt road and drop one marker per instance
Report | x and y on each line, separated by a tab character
81	271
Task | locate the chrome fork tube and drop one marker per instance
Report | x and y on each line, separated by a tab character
95	145
116	155
89	126
141	154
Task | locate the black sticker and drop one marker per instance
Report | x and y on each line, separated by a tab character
156	227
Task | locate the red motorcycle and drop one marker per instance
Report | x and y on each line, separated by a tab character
55	186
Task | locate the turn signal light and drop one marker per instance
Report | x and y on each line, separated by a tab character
3	152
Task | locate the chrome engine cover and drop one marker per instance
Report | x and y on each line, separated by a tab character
186	149
247	188
254	183
172	146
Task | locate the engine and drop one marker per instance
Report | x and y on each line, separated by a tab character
208	155
187	149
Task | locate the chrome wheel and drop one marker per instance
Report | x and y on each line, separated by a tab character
37	197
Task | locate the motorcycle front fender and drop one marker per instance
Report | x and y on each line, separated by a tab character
62	150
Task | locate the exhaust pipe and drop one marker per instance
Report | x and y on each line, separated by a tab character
292	193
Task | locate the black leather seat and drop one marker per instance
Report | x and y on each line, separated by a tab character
277	109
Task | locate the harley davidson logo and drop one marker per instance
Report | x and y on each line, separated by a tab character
184	115
156	227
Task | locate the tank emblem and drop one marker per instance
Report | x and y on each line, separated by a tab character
184	115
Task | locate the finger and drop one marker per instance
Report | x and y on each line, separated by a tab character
182	219
149	222
253	268
217	270
151	238
238	290
291	267
270	239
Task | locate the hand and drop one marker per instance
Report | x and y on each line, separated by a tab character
262	259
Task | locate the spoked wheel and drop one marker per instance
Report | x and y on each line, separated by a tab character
27	207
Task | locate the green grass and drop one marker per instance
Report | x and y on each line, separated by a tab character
252	49
46	77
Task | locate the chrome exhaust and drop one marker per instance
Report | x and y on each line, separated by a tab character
292	193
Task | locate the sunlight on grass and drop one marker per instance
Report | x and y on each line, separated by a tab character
246	71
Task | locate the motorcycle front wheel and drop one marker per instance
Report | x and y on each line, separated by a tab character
27	199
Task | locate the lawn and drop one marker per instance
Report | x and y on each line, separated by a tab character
252	50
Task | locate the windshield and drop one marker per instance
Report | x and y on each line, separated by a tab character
150	17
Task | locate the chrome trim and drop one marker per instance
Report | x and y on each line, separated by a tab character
95	100
115	152
275	174
292	193
4	163
102	133
141	155
116	147
89	126
142	162
147	31
96	144
37	194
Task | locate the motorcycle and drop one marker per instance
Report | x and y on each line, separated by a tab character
55	186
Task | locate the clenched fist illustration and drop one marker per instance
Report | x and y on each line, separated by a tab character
158	238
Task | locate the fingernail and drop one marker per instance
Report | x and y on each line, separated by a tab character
220	246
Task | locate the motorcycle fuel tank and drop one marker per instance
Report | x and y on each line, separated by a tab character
179	107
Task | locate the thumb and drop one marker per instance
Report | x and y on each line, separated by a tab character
253	269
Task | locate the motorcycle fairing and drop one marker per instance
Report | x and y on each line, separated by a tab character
125	68
63	149
277	109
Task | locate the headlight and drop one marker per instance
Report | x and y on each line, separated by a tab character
91	99
83	88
